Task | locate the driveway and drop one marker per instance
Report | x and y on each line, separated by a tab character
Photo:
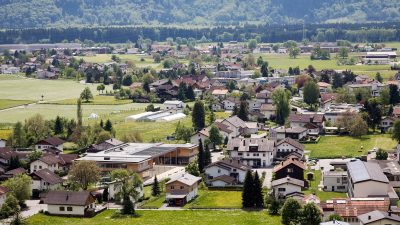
268	176
33	208
215	156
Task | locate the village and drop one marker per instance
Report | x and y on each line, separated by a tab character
305	132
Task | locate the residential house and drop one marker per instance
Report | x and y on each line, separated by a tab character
254	152
12	173
3	143
110	143
334	222
5	156
350	208
287	147
50	162
43	180
238	126
226	172
327	99
268	110
295	133
286	186
44	74
300	120
378	217
373	87
336	181
70	203
366	179
387	123
323	87
391	169
50	142
220	93
114	187
291	167
181	189
174	105
230	103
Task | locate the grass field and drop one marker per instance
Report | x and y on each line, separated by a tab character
209	199
154	202
152	217
33	89
136	59
282	61
9	103
97	100
338	146
323	195
4	134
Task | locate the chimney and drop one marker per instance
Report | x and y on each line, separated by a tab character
390	213
67	197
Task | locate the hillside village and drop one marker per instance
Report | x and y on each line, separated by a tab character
254	134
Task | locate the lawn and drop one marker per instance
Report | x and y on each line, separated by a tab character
210	199
9	103
33	89
151	217
153	202
97	100
282	61
323	195
4	134
338	146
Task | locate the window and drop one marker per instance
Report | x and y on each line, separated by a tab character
338	180
281	189
69	209
40	167
172	187
290	170
62	208
219	170
181	187
240	153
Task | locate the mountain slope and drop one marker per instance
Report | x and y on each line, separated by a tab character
41	13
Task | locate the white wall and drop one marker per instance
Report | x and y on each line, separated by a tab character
289	188
216	171
41	165
364	189
76	210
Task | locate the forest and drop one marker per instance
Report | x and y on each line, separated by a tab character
69	13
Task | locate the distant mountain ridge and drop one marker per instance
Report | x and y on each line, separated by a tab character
42	13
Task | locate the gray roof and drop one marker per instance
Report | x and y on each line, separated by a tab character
365	171
288	180
334	222
79	198
242	144
376	216
185	178
236	121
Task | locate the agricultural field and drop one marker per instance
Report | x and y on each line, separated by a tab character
8	103
282	61
97	100
338	146
170	217
136	59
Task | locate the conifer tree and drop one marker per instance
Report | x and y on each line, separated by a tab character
247	194
201	157
108	126
105	195
198	116
257	192
207	156
58	126
155	189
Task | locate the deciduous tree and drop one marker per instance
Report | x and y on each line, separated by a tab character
84	173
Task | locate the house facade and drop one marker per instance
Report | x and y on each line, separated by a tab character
70	203
217	172
336	181
181	189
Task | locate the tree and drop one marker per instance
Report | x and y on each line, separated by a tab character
252	44
190	93
128	188
257	192
311	92
35	155
101	88
18	136
247	193
207	156
343	52
378	77
193	168
394	94
260	61
345	121
311	214
9	207
281	101
290	211
337	80
146	87
381	155
198	116
79	112
215	136
58	126
396	131
264	69
108	126
294	52
335	217
374	112
155	188
36	128
14	163
105	194
200	158
84	173
18	220
344	95
103	136
20	187
358	127
182	91
243	111
86	94
301	80
273	207
212	117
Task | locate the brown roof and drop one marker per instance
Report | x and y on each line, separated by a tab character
228	163
50	159
3	190
15	172
67	158
55	141
354	207
223	127
79	198
328	96
304	118
48	176
289	161
7	153
225	178
292	143
267	107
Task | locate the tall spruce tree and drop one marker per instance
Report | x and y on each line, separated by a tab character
155	188
247	193
200	158
198	116
79	112
207	156
243	111
257	192
108	126
105	194
190	93
58	126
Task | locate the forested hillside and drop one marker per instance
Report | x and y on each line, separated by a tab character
41	13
